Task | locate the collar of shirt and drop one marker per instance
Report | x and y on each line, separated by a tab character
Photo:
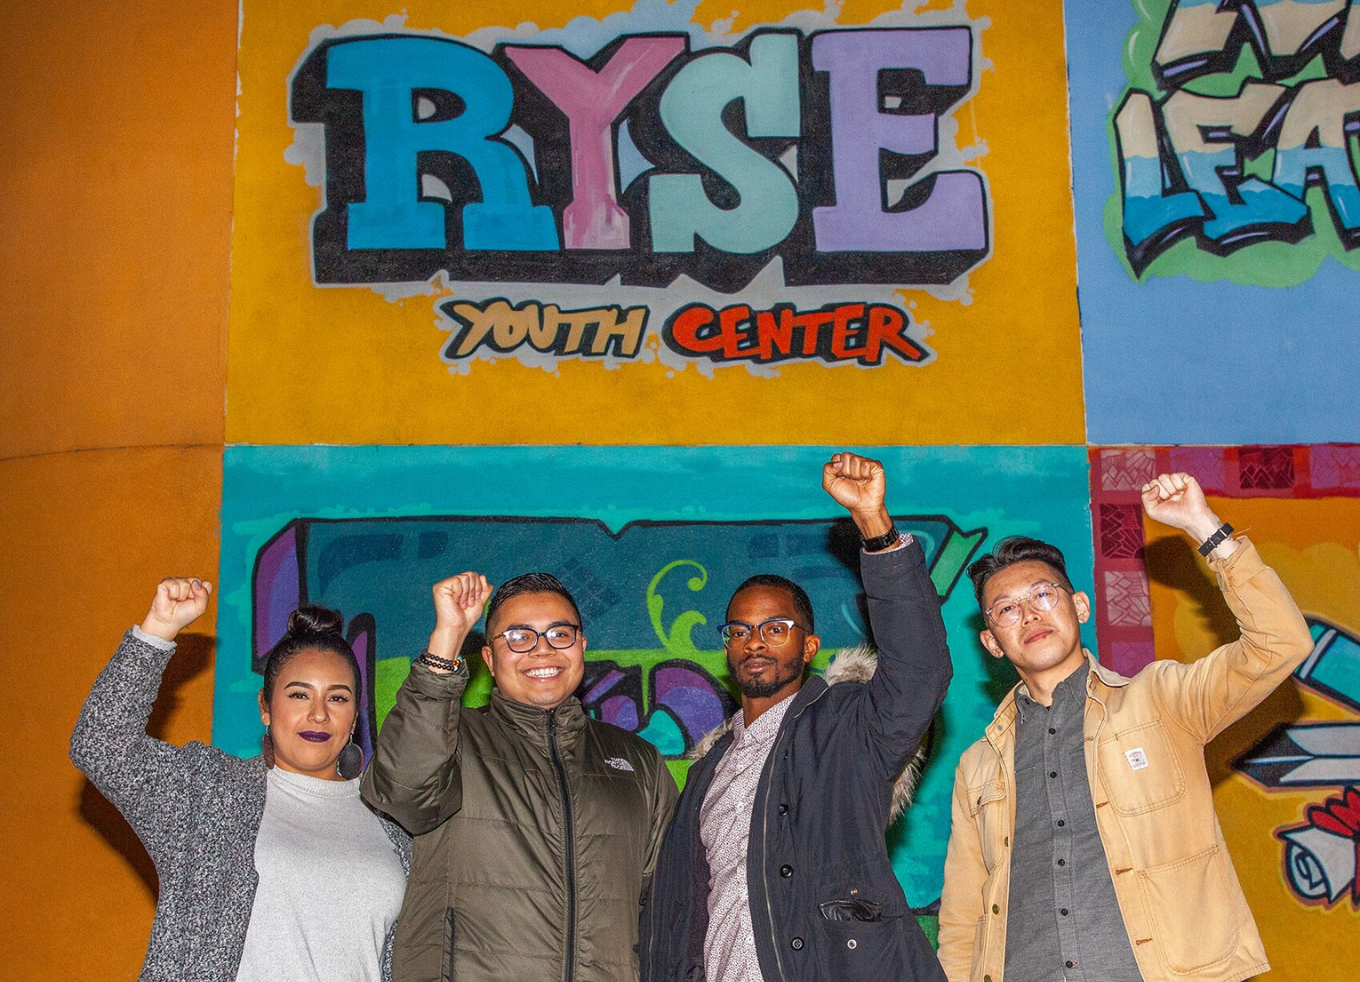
1069	694
763	730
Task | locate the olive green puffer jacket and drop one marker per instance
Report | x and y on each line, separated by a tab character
536	833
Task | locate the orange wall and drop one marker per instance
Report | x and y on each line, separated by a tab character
114	242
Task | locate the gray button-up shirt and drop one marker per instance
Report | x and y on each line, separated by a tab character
725	830
1064	921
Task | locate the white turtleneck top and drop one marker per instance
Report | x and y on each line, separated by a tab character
331	885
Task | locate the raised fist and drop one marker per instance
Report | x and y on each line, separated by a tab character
857	483
1178	500
179	601
458	605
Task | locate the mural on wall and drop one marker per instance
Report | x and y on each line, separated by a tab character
652	541
1217	194
1320	855
1287	776
1234	113
590	155
659	674
644	206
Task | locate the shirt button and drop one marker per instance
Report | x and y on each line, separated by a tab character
1052	773
996	908
796	944
783	809
1062	862
786	871
1052	730
1061	823
1070	964
1063	912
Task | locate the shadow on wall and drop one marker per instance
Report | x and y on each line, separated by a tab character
1172	562
193	657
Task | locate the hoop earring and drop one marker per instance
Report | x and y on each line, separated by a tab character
267	747
350	763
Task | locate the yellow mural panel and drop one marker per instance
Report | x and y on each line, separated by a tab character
1303	898
652	223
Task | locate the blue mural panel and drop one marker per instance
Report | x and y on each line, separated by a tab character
1218	232
652	541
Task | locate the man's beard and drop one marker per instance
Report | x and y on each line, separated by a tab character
763	688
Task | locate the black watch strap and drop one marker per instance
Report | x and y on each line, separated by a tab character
1211	543
880	542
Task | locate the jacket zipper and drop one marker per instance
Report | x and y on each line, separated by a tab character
765	835
570	836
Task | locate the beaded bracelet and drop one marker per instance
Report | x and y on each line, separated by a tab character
443	664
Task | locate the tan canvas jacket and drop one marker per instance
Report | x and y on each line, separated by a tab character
1145	736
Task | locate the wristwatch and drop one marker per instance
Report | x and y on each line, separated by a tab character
880	542
1211	543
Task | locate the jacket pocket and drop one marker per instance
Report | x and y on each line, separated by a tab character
867	950
988	807
851	910
1139	769
1195	922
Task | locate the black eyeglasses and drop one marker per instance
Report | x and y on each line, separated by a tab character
522	639
774	632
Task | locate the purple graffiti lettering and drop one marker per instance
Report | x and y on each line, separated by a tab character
952	214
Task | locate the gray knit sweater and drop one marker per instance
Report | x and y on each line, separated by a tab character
196	809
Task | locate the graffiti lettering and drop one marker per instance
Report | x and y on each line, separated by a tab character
1233	168
838	333
502	327
655	665
506	166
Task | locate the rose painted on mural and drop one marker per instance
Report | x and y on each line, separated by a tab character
1322	855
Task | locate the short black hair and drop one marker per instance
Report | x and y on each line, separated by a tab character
802	606
310	626
529	583
1016	549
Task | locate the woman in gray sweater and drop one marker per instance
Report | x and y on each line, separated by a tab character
269	868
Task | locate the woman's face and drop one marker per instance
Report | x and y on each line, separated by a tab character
312	713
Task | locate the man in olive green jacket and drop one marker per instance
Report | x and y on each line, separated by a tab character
1084	843
536	828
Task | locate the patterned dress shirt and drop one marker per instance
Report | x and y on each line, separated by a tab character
725	830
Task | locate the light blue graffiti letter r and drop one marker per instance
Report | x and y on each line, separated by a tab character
389	72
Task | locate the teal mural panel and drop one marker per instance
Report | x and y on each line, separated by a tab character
651	541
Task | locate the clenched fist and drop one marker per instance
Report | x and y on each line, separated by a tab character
458	605
858	484
179	601
1178	500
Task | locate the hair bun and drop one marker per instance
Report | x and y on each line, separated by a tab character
312	620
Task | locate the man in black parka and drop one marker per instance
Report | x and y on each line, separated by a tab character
775	867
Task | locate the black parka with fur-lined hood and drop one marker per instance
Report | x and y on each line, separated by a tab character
816	851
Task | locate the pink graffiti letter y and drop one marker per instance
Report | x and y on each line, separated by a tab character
591	102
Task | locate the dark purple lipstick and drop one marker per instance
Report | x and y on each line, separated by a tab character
314	736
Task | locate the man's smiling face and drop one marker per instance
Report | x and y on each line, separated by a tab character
544	676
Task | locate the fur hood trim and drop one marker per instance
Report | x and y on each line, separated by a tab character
855	664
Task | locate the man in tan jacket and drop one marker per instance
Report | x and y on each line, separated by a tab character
1084	843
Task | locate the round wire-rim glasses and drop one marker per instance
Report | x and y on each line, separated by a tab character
1005	611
